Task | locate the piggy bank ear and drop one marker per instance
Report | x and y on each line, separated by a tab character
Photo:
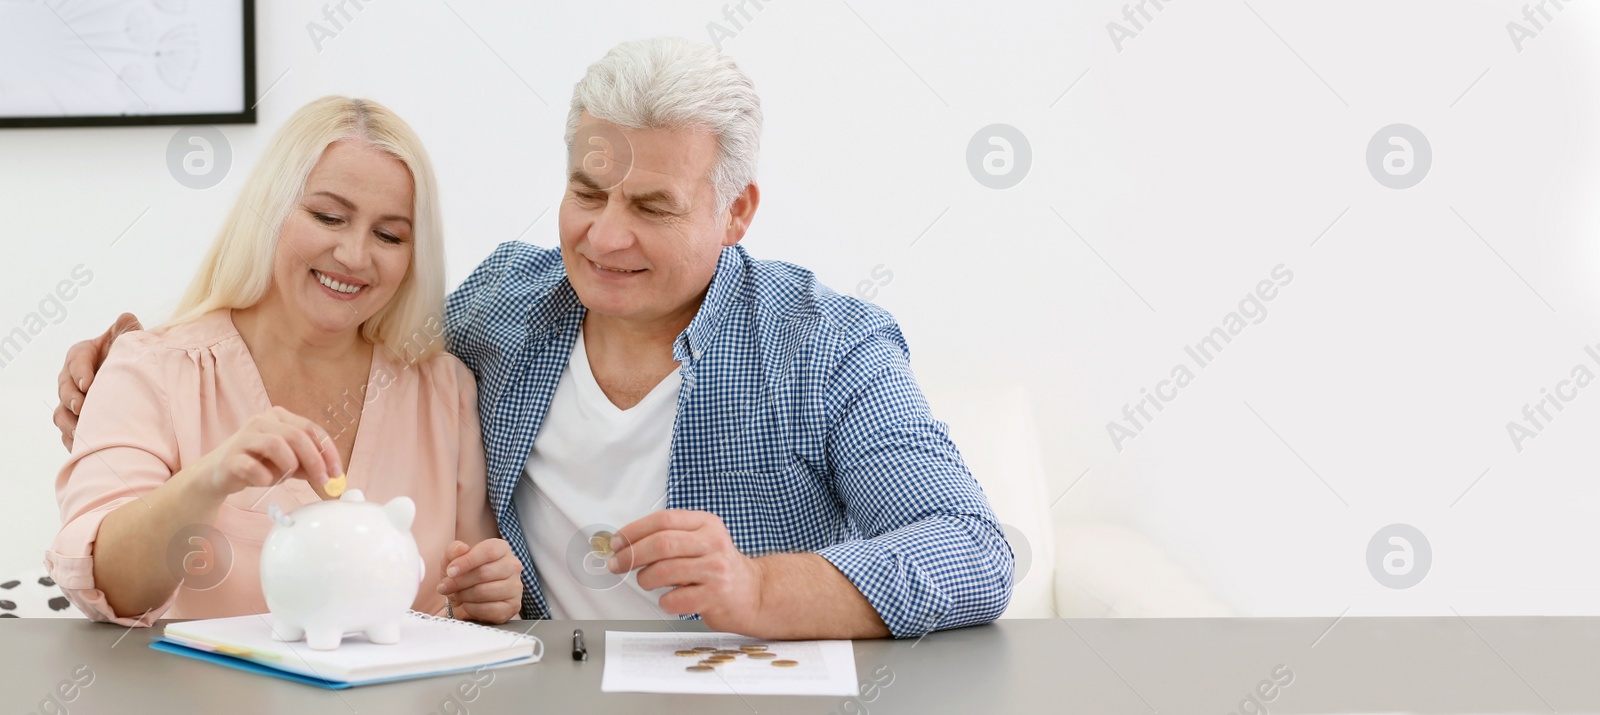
275	512
401	510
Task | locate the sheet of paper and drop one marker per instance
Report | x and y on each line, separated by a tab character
645	663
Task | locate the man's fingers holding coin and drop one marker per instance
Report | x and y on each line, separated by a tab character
684	572
669	534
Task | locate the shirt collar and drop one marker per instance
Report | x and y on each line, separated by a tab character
696	339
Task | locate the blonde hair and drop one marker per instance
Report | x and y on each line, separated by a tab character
237	271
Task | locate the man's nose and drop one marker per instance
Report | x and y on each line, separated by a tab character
611	230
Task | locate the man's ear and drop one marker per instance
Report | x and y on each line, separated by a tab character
741	213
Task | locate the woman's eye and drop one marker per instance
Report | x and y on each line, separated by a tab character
327	219
389	237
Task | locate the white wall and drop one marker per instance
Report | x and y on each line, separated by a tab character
1193	161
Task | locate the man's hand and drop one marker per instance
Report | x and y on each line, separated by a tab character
693	552
484	582
83	361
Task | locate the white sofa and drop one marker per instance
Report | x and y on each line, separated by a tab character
1069	570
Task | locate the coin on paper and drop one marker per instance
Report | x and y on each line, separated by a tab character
335	486
705	649
763	656
700	669
729	652
686	654
786	663
601	543
711	663
720	658
753	647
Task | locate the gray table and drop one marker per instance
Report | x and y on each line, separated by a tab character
1424	665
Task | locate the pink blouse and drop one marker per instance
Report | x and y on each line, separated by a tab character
164	399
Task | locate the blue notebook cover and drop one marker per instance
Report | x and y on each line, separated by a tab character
253	667
245	665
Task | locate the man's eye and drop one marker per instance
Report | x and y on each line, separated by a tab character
648	211
591	198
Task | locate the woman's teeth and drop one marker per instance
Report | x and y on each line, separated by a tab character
336	285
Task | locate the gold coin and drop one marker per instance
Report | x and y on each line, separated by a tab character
729	652
753	648
763	656
712	663
601	543
786	663
686	654
335	486
699	668
705	649
720	658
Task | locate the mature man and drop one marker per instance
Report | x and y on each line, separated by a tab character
759	437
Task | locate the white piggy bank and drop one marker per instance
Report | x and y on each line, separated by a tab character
337	567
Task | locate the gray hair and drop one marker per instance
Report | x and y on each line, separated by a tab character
673	83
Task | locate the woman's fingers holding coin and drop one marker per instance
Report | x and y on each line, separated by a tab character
271	451
240	470
301	437
319	455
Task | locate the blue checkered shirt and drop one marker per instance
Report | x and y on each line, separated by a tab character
799	424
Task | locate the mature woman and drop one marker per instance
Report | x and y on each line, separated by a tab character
309	344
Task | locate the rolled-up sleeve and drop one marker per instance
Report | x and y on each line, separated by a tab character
934	556
124	448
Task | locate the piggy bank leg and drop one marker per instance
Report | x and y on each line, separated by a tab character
284	631
324	638
385	633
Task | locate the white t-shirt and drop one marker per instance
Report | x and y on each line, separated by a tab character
594	467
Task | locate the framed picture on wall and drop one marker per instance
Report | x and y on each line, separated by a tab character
84	63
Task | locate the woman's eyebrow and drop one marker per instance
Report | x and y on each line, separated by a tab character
347	204
342	200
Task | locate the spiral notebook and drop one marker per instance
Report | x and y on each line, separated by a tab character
429	645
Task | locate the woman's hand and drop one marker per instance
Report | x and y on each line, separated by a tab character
483	583
271	446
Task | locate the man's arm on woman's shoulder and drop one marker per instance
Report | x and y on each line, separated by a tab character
78	371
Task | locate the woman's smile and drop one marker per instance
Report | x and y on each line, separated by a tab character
346	289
